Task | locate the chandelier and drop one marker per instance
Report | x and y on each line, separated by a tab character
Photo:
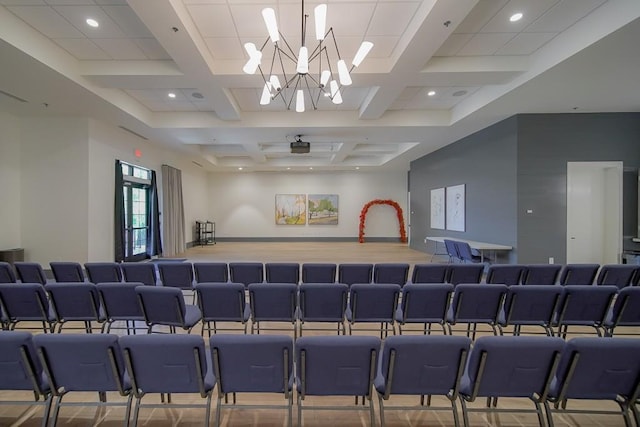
314	74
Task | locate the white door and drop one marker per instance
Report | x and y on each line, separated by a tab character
594	212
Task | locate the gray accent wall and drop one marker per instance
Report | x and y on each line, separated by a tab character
520	164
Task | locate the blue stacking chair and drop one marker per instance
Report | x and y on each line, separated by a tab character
619	275
598	369
76	302
506	274
222	302
541	274
465	252
282	272
67	271
319	273
246	272
84	363
578	274
211	272
20	370
30	272
369	303
397	273
253	364
476	303
421	365
465	273
143	272
510	366
100	272
26	302
323	302
531	305
584	305
177	275
7	274
452	251
166	307
119	302
429	273
625	312
273	302
425	303
355	273
336	366
168	363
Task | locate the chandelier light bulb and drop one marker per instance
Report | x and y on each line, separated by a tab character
265	99
343	73
269	16
275	83
362	52
300	101
324	78
255	56
303	61
336	97
320	14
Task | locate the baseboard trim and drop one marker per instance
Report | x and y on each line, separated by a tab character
299	239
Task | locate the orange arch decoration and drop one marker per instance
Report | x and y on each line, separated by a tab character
363	217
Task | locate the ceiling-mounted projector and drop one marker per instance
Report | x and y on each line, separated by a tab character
299	146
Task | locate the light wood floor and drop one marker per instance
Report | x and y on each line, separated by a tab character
296	252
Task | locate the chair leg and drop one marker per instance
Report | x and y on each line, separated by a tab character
381	404
465	414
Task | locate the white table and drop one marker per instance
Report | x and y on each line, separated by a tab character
479	246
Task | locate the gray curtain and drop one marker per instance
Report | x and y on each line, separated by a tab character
173	211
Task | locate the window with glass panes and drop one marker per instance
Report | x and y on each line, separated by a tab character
136	210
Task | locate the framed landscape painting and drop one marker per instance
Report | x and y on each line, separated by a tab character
291	209
323	209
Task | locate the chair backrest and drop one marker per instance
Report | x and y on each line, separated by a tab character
30	272
144	272
464	250
425	302
319	272
479	303
24	301
465	273
67	271
119	300
160	305
511	366
167	363
452	250
585	304
282	272
626	309
531	304
246	272
541	274
578	274
252	363
429	273
605	368
336	365
6	273
211	272
506	274
273	301
221	301
619	275
176	274
397	273
99	272
421	364
355	273
75	301
20	367
373	303
323	301
82	362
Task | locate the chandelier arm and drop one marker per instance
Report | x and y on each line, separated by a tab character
294	92
326	53
313	103
273	60
294	56
335	43
264	44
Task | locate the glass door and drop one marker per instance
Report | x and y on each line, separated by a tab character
136	220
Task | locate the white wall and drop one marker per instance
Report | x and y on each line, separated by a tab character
9	182
242	204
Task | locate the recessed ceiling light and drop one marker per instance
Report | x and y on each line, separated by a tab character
310	169
240	169
92	23
357	168
171	95
516	17
288	169
431	93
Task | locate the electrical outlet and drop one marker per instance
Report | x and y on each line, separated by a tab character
551	260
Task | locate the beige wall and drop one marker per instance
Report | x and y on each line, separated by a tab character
9	182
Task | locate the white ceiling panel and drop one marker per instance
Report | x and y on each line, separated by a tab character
391	19
83	49
350	19
480	15
453	44
110	2
248	21
213	20
383	47
70	2
225	48
525	43
531	11
485	44
152	49
23	3
47	21
78	15
563	15
121	49
128	21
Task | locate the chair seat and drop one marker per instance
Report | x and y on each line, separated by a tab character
349	315
192	315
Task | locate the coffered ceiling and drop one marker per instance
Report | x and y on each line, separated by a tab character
439	70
